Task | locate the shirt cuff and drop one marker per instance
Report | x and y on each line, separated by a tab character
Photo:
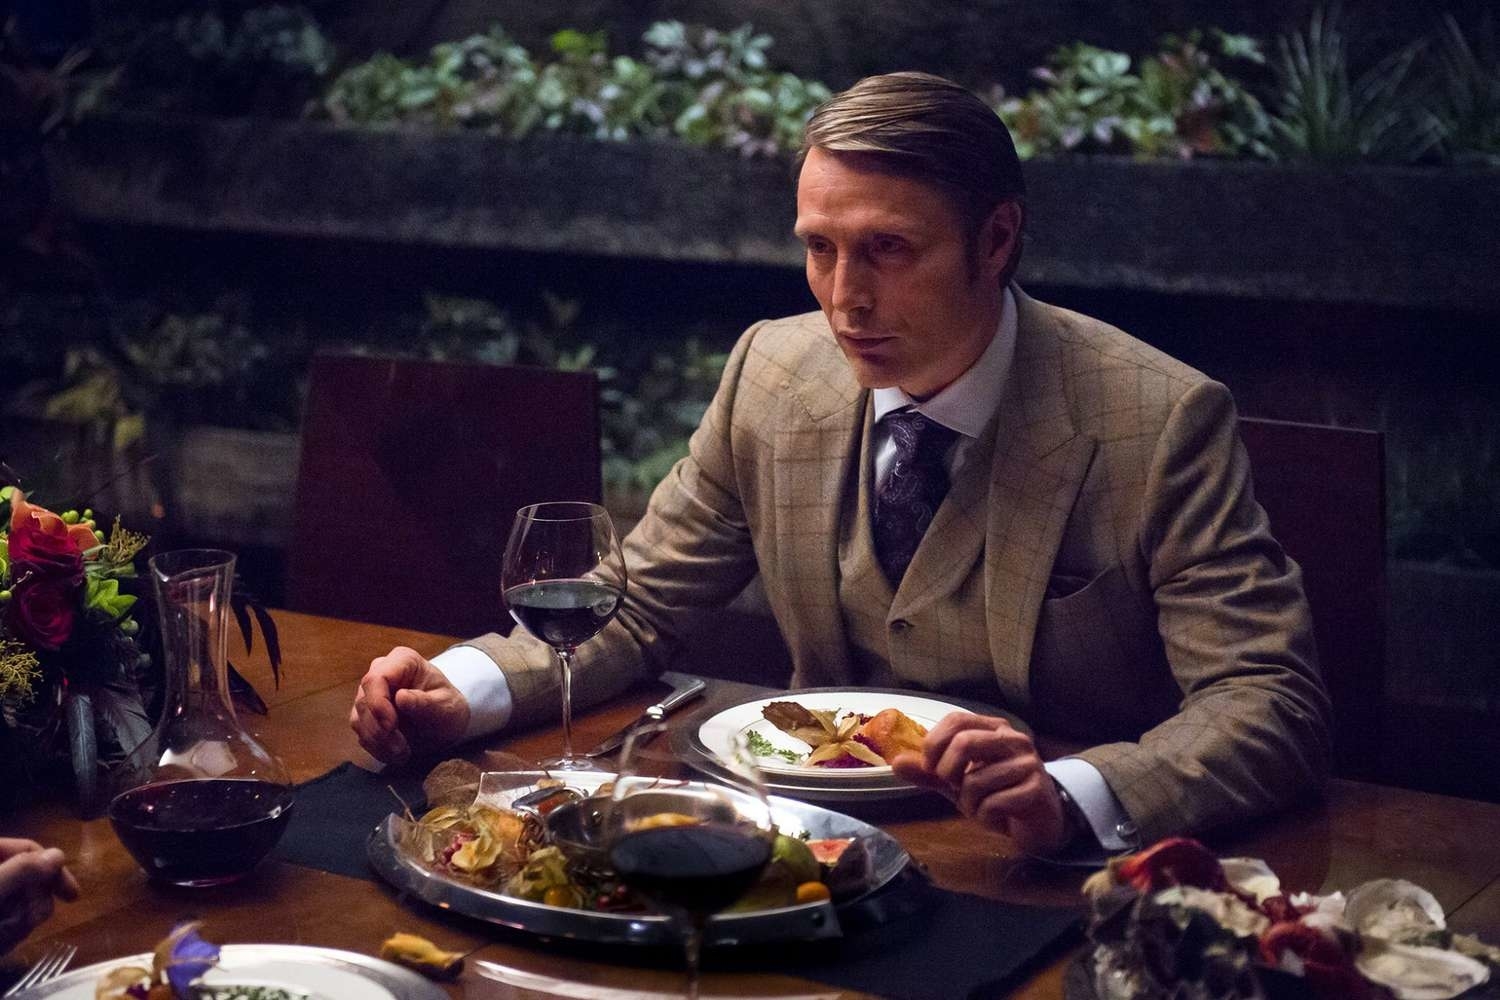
482	683
1110	823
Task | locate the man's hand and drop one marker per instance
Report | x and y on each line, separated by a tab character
30	876
992	772
405	705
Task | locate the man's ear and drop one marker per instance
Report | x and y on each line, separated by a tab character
1000	237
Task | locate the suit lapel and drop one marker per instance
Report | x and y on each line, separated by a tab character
1040	461
817	451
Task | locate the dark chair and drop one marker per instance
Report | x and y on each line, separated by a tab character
410	475
1324	491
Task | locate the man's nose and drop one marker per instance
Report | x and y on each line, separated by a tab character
853	288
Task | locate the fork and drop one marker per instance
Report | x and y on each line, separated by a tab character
47	968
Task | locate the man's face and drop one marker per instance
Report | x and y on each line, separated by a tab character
910	301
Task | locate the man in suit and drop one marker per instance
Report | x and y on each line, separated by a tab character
949	486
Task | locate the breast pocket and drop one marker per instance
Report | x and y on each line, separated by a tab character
1098	669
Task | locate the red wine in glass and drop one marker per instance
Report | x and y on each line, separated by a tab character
563	612
700	869
563	578
692	848
201	831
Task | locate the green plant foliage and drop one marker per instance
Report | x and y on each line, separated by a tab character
650	399
1179	103
1466	92
1324	112
1084	107
650	411
266	59
700	85
1212	113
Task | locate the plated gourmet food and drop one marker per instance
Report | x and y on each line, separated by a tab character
178	965
839	739
1176	922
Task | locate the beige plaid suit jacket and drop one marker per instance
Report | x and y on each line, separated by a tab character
1133	597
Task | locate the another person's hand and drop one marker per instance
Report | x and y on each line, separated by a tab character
406	705
30	877
993	773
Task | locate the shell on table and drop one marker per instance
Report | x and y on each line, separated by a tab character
1394	909
1419	972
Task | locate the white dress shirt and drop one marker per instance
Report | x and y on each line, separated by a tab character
965	406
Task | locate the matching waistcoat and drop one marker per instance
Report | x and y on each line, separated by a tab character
935	641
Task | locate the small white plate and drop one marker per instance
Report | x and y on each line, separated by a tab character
718	733
319	973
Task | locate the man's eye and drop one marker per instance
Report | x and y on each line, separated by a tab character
819	247
889	244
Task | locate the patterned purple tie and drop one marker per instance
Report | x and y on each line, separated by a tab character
912	491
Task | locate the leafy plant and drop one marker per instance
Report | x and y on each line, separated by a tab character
701	85
1084	107
1466	92
482	81
268	59
1324	112
583	90
649	414
1212	112
1179	103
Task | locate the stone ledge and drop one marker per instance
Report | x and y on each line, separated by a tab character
1410	237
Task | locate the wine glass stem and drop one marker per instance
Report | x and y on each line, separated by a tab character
565	664
692	947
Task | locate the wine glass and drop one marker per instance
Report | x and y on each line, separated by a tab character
691	848
563	578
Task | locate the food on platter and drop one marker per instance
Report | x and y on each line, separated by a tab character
1174	921
477	843
846	862
177	967
838	739
520	852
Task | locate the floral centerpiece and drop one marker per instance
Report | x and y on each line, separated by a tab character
1176	922
74	680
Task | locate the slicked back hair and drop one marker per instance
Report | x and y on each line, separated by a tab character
929	129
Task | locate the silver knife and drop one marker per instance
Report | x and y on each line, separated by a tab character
655	713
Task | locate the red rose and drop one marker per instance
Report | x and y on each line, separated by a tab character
42	545
42	610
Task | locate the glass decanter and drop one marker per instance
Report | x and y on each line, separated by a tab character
201	801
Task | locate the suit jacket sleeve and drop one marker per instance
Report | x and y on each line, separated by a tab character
690	550
1251	733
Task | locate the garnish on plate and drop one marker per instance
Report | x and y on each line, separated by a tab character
1176	921
842	740
177	967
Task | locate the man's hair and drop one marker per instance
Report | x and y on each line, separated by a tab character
929	129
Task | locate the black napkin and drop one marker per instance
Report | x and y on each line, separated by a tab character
944	946
335	814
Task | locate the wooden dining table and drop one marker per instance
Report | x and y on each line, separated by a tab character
1357	832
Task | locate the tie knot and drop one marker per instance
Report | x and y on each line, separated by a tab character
914	433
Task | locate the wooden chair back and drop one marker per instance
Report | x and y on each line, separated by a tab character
1324	491
410	475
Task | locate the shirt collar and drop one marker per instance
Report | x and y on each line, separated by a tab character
972	399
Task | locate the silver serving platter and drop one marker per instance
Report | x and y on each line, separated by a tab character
803	922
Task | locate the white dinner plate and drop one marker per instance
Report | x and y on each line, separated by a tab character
318	973
718	733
